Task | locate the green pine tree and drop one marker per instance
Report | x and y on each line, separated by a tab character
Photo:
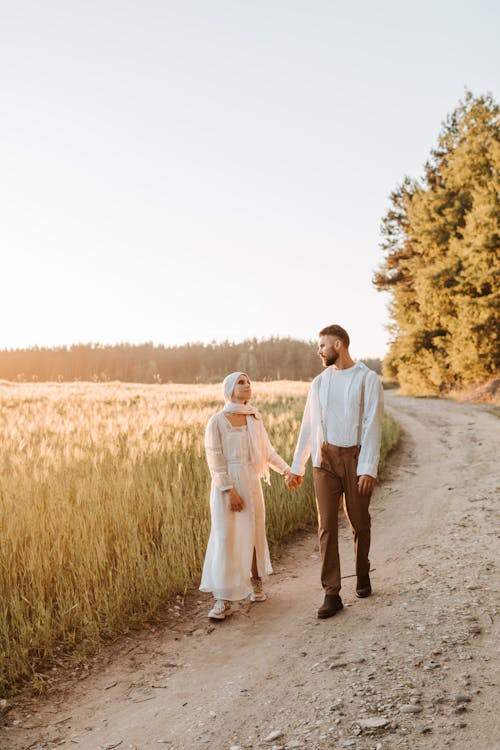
442	260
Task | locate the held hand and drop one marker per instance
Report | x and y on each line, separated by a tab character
235	501
293	481
366	484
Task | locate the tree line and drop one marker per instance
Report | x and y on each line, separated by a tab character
442	261
268	359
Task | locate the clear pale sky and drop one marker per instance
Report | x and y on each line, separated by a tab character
198	170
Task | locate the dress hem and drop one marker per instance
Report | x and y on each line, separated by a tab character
224	596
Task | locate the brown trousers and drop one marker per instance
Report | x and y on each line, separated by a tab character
336	477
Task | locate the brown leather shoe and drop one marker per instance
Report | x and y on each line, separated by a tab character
331	605
363	586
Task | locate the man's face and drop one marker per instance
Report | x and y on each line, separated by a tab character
328	347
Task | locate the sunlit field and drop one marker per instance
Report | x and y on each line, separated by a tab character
104	507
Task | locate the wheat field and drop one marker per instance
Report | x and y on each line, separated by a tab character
104	511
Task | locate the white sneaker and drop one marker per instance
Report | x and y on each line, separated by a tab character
257	594
220	610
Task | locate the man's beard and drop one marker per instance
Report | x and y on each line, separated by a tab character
331	359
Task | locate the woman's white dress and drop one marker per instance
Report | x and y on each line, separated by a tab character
234	535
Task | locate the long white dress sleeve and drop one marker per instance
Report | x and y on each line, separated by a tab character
274	460
234	535
215	457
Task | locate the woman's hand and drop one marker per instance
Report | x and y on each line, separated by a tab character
235	501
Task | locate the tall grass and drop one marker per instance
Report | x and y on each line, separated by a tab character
104	510
391	432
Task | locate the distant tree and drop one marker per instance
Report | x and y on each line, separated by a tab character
442	264
268	359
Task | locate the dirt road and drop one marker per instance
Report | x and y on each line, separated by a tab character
414	666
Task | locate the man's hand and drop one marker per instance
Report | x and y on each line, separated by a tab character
366	483
235	501
293	480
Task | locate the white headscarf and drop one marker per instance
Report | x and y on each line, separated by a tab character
256	433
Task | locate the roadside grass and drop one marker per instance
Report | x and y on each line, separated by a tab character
391	432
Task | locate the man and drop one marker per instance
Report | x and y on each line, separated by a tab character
341	427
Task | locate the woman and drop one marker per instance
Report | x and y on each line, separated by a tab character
239	454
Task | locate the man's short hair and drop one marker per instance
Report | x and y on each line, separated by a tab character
337	331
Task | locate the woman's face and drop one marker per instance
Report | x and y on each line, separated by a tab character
242	390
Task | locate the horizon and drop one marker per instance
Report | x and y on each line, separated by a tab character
100	344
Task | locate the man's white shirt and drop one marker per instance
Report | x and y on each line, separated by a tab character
334	400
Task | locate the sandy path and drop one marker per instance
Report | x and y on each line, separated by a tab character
420	655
